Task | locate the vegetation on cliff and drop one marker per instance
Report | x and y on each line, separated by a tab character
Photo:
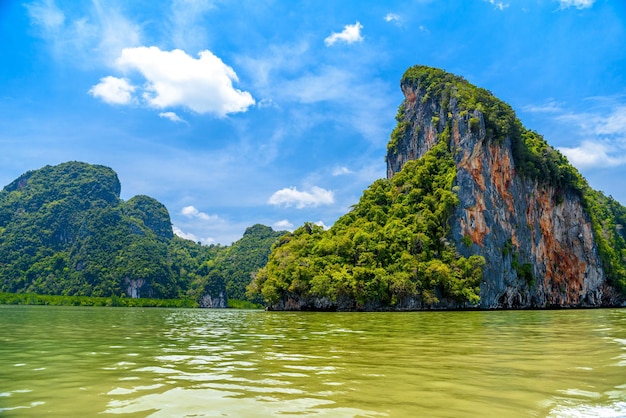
608	218
533	157
390	247
65	231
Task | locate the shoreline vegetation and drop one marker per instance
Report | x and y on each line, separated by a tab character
113	301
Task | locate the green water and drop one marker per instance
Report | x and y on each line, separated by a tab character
70	361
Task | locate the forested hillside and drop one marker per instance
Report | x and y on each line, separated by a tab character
65	231
391	247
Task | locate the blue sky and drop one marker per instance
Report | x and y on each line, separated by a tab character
279	112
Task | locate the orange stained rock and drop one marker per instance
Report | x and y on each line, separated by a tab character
501	171
409	94
473	163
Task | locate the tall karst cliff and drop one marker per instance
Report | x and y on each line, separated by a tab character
548	239
476	212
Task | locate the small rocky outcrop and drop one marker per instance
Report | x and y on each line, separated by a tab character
215	301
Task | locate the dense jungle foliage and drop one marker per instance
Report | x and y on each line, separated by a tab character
65	231
235	264
58	300
392	245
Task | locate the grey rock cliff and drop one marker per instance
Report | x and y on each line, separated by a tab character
537	241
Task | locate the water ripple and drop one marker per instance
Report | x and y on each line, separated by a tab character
60	362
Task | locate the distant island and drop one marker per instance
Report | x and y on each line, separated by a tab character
65	231
477	212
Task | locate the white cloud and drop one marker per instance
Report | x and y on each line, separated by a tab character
548	107
192	237
498	4
590	154
339	171
320	223
293	197
192	212
172	116
173	78
614	123
113	90
283	225
579	4
392	17
604	136
609	123
265	103
349	35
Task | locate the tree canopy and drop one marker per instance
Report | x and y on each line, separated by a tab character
391	246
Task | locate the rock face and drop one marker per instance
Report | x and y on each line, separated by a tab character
208	301
536	237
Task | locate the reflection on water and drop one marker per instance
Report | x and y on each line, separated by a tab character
59	361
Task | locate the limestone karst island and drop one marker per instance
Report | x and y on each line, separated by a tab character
476	212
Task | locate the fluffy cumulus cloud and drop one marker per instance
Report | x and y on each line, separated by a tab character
173	78
179	232
192	212
579	4
113	90
349	35
283	225
291	196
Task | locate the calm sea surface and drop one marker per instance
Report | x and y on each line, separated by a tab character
71	361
